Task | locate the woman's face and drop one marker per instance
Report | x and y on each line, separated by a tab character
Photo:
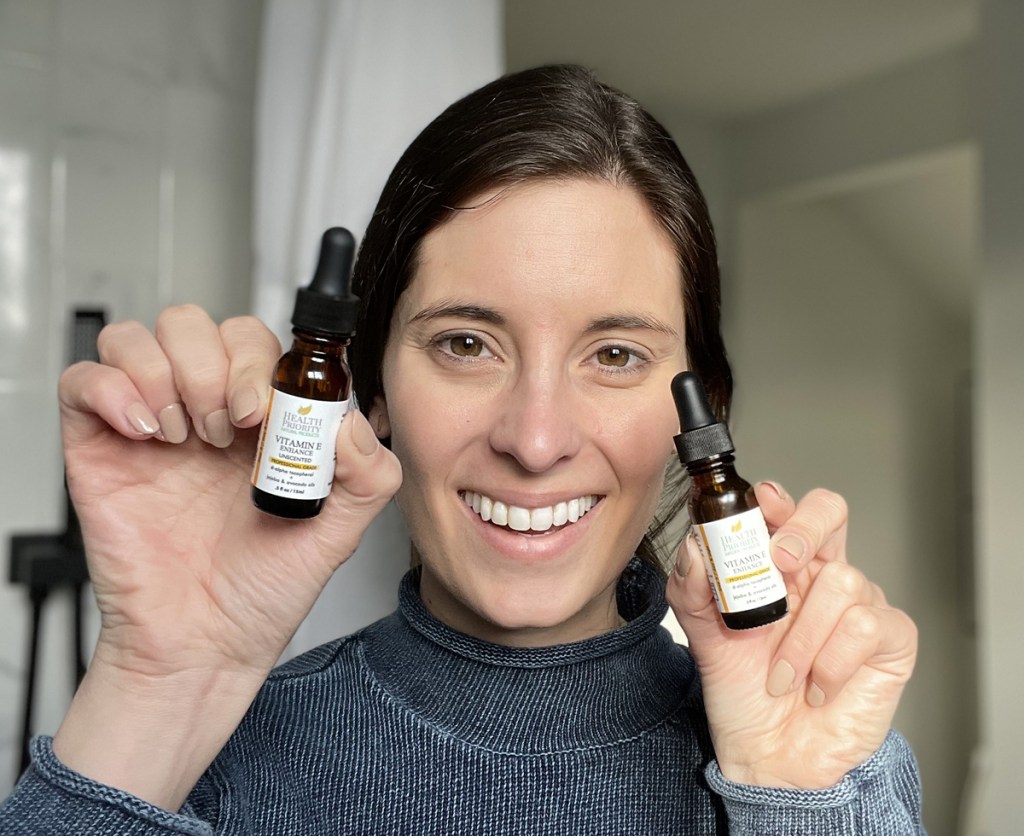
527	394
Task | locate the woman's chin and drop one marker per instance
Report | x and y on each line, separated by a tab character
540	620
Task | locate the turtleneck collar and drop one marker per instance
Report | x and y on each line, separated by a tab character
539	699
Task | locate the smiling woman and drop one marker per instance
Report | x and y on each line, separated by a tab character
539	268
524	330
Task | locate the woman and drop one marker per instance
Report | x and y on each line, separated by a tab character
539	267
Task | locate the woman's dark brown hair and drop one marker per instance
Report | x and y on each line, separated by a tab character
550	122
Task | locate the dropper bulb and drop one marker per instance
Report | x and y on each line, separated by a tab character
691	402
328	306
702	435
334	267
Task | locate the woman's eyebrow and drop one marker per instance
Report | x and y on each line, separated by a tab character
632	322
626	321
459	311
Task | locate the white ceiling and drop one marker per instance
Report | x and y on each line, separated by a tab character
730	60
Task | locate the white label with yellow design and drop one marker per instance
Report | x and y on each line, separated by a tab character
296	452
739	563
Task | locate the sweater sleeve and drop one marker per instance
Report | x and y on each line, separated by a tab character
52	799
881	797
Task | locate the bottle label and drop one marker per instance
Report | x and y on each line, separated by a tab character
740	568
296	452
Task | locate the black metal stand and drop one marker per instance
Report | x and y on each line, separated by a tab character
45	563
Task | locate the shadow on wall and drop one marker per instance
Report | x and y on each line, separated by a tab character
850	370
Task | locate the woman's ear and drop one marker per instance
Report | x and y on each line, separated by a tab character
378	418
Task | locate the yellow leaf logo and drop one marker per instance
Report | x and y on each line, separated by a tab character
305	410
738	526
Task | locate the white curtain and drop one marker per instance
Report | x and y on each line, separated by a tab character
344	86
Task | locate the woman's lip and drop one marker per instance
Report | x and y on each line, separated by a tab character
538	518
534	500
530	545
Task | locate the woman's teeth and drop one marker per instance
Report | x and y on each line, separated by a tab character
528	519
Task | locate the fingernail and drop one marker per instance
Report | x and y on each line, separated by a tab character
792	548
173	424
243	403
142	420
780	679
777	489
815	696
217	428
363	436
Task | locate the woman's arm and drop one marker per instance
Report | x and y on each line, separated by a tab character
805	704
198	591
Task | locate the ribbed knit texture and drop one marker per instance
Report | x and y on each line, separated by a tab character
411	727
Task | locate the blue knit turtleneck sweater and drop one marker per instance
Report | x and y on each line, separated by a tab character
411	727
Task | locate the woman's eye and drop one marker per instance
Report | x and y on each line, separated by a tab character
616	356
463	345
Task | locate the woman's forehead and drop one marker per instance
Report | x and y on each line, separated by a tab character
583	237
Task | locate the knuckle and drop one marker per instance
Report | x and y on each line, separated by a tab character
168	317
200	380
394	477
800	644
152	372
71	378
861	625
250	332
112	336
843	579
248	325
828	672
909	626
833	504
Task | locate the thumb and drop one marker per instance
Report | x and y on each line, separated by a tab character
366	476
688	592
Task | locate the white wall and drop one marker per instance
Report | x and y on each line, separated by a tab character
970	96
999	348
125	164
847	375
846	378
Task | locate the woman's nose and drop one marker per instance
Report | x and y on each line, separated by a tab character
538	424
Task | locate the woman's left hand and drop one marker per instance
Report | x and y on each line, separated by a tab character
801	702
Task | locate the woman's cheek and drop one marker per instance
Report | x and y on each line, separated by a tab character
639	443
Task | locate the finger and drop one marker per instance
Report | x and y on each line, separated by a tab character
854	641
130	347
776	504
366	476
192	343
882	638
837	588
816	528
688	591
93	396
252	351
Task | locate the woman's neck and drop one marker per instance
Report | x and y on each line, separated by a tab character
599	616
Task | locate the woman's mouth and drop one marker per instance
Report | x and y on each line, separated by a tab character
538	520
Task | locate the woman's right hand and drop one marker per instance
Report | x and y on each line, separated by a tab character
199	592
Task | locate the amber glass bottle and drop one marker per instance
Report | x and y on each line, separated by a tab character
310	390
731	531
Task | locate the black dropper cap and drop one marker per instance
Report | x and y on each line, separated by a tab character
328	305
703	436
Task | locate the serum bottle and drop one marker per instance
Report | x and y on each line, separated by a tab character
310	391
731	531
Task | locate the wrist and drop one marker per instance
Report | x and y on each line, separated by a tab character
152	737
